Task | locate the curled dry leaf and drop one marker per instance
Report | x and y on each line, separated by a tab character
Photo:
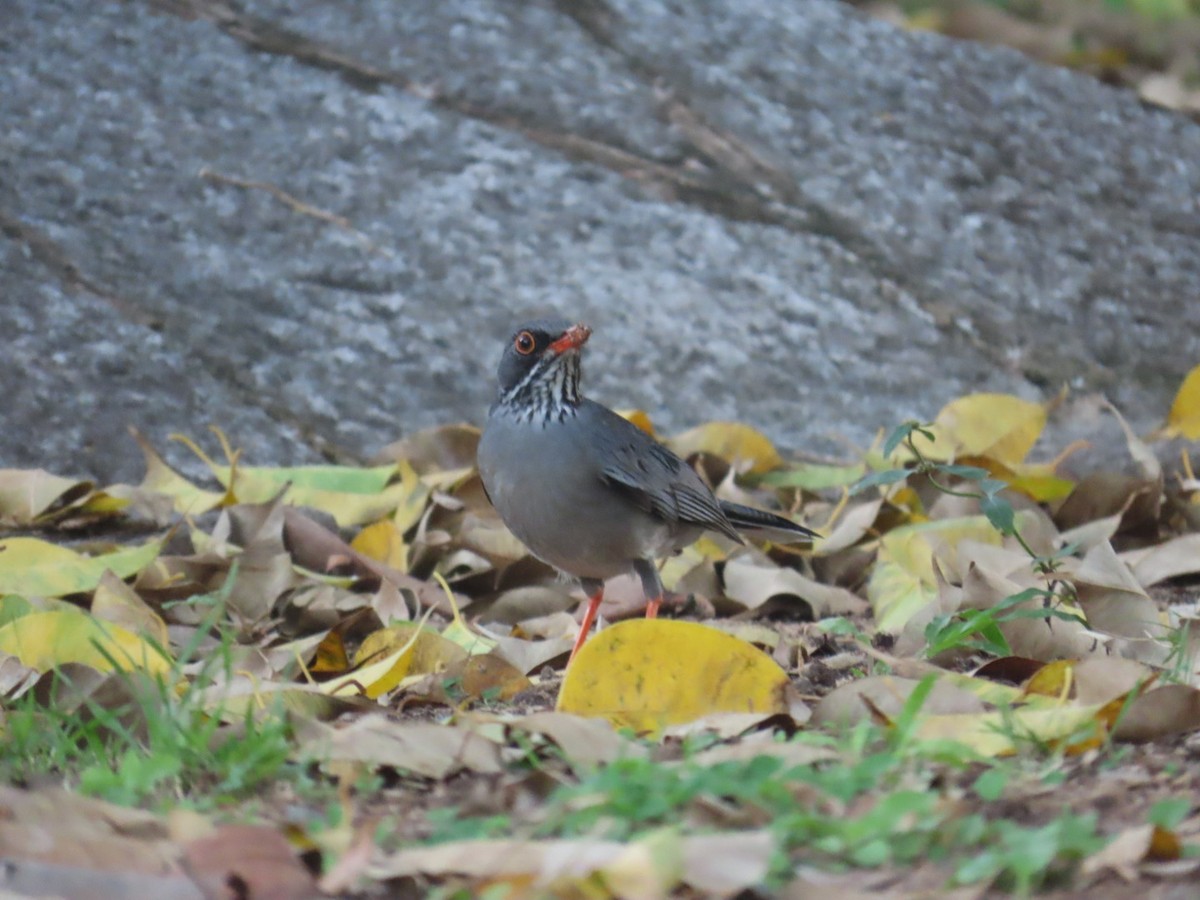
752	582
887	693
256	858
423	748
722	864
583	741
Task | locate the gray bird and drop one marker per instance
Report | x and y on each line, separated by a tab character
588	492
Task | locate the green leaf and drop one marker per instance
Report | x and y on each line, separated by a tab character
1000	513
33	567
898	436
879	479
970	473
814	477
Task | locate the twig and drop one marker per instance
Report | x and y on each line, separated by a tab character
293	203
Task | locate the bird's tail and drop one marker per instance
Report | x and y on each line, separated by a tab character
777	528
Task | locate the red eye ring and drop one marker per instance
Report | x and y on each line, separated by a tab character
524	343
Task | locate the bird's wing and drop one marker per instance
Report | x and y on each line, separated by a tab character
653	478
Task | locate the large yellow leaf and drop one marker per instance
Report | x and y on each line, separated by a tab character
999	426
651	673
731	441
1184	417
47	639
33	567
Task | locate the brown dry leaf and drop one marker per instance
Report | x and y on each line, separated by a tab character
651	673
753	581
15	677
583	741
790	753
251	861
1161	562
1162	712
1122	854
57	843
848	703
528	602
529	656
26	495
851	527
115	601
423	748
1101	680
1115	603
441	449
719	864
488	676
1044	639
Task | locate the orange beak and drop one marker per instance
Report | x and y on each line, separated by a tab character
572	339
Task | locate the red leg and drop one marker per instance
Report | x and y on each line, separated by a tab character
652	606
589	617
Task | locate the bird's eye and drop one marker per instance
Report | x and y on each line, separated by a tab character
524	343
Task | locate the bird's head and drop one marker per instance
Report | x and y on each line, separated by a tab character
539	370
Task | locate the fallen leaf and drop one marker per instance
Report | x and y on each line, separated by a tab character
1162	712
33	567
651	673
999	426
753	583
583	741
26	495
888	694
903	580
256	861
731	441
48	639
423	748
1184	418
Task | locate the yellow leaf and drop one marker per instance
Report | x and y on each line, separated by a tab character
1184	417
1003	733
902	581
651	673
382	541
731	441
33	567
490	676
999	426
186	498
639	418
48	639
391	654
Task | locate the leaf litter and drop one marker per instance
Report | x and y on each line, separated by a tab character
1014	641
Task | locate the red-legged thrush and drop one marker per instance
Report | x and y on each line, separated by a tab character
586	491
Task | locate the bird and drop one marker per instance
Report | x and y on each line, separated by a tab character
585	490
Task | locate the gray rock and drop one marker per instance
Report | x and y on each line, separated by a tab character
309	224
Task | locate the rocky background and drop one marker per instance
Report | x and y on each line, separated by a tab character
312	223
